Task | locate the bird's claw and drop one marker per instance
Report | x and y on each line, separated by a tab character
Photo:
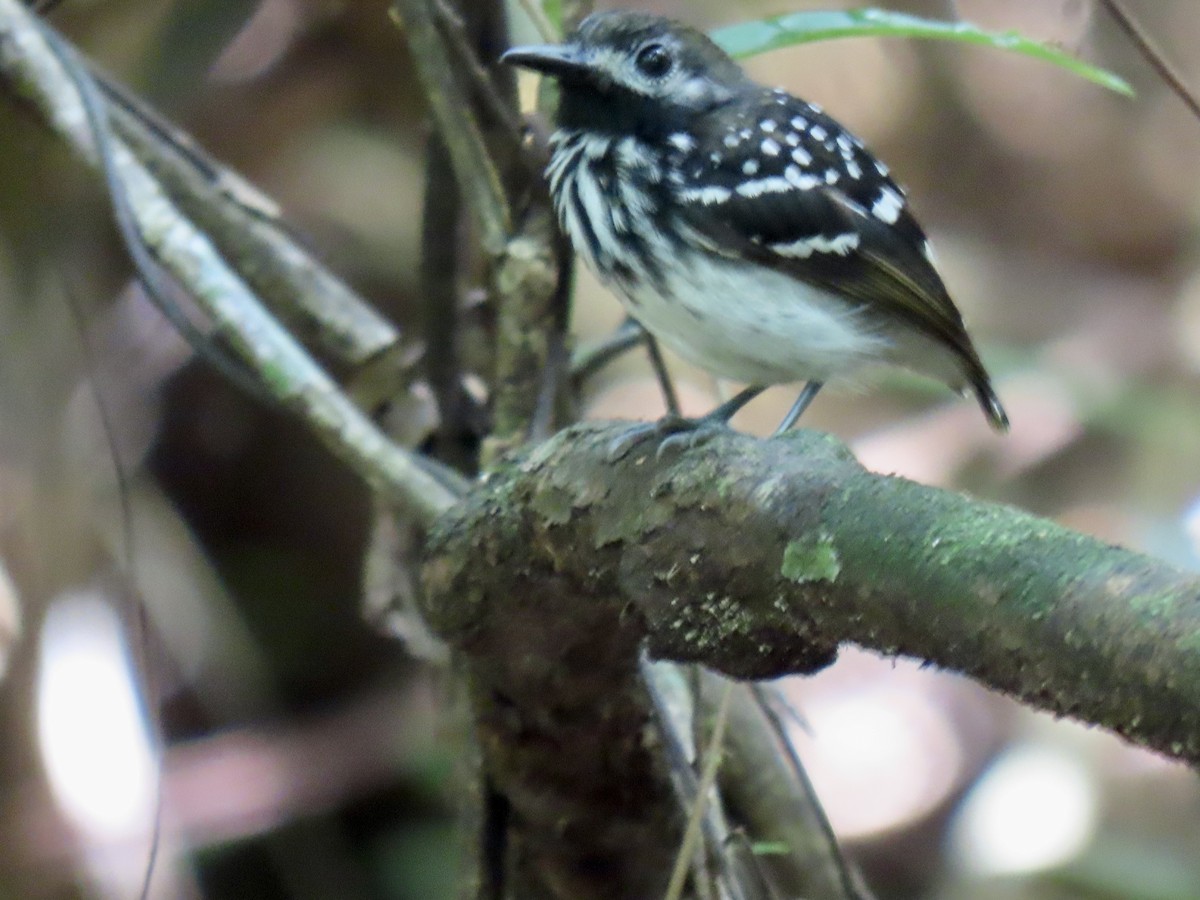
674	433
700	431
620	446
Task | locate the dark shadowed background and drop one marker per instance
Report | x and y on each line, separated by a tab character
307	757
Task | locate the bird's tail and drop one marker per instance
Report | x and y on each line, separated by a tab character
990	403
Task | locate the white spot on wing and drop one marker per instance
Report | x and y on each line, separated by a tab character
750	167
770	147
806	247
773	185
707	195
887	208
767	125
802	156
681	140
798	179
818	133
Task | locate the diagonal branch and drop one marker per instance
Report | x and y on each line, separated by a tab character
31	72
246	228
317	304
1152	54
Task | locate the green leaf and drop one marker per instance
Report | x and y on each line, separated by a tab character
761	35
553	11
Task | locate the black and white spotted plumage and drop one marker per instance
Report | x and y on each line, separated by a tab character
744	227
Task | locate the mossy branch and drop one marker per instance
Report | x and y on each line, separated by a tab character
759	558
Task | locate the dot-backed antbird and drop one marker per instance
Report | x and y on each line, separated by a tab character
743	227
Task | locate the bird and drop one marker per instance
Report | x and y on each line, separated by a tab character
743	227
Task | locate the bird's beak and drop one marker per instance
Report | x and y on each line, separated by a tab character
555	60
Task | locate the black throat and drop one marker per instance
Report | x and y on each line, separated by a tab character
617	112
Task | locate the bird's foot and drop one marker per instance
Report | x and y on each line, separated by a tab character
673	433
677	433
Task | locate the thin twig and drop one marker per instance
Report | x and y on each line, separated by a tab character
590	358
708	778
1152	54
526	286
150	274
574	12
128	563
675	709
704	857
847	881
454	29
541	426
441	251
455	121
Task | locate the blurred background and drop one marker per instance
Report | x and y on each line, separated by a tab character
307	755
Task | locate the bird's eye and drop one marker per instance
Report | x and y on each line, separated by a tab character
654	60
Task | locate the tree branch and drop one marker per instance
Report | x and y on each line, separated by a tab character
456	123
767	789
758	558
245	226
30	70
1152	54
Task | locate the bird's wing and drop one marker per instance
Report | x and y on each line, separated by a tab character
788	188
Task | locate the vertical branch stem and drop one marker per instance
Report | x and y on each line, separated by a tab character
476	171
441	253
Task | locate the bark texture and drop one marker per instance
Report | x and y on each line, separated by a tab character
758	558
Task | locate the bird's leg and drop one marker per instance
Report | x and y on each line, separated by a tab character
727	410
676	431
798	408
659	365
628	334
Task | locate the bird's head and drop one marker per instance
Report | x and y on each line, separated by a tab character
623	72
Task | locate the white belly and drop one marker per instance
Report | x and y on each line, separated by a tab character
753	325
740	322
